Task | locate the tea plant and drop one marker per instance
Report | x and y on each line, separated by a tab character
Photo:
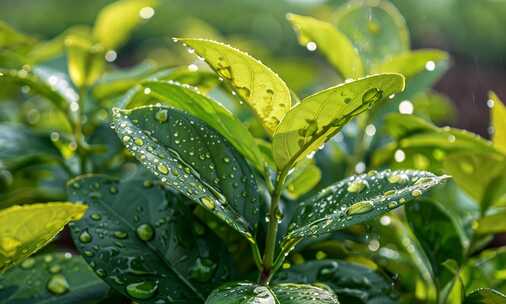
177	199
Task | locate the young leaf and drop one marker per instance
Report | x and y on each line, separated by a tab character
498	122
318	117
333	44
146	243
245	293
191	158
303	178
26	229
57	278
85	59
253	82
375	27
358	199
116	21
485	296
210	111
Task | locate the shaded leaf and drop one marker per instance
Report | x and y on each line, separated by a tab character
333	44
132	235
191	158
320	116
303	178
246	293
498	122
485	296
57	278
253	82
435	106
26	229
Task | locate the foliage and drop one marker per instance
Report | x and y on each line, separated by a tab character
216	183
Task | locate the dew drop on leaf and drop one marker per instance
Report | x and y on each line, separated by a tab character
162	169
360	207
58	284
356	186
162	116
142	290
208	202
85	237
28	263
145	232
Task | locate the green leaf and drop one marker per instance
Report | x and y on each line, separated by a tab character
26	229
253	82
498	114
146	243
491	223
358	199
116	21
12	39
303	178
85	59
350	282
435	107
467	168
210	111
487	270
485	296
333	44
191	158
57	278
442	239
320	116
248	293
375	27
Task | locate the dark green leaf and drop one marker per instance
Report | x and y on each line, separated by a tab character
247	293
485	296
190	157
144	242
58	278
487	270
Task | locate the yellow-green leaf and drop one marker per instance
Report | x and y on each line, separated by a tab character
85	60
320	116
498	122
323	36
26	229
116	21
303	178
492	223
262	89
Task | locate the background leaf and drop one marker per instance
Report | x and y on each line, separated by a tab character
304	177
498	122
485	296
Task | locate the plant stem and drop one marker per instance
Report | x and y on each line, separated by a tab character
272	230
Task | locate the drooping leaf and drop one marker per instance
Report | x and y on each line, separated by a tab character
442	238
116	21
303	178
249	293
253	82
358	199
350	282
498	114
26	229
338	49
57	278
191	158
145	243
376	28
210	111
485	296
320	116
85	59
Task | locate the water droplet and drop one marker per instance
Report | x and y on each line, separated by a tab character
28	263
416	193
162	115
139	141
96	216
208	202
311	46
360	207
145	232
163	169
373	27
142	290
120	234
85	237
58	284
357	186
55	269
398	179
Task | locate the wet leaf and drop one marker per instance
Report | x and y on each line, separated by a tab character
26	229
110	30
144	242
212	112
320	116
498	114
358	199
245	293
57	278
85	59
253	82
338	49
303	178
191	158
350	282
485	296
375	27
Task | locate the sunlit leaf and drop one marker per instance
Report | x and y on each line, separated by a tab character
57	278
14	40
491	223
116	21
210	111
253	82
26	229
145	243
485	296
375	27
85	59
498	113
434	106
190	157
303	178
358	199
320	116
245	293
332	43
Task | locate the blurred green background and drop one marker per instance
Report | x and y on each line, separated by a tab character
471	30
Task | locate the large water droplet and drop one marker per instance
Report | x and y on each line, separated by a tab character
28	263
145	232
163	169
208	202
162	116
58	284
357	186
85	237
360	207
142	290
